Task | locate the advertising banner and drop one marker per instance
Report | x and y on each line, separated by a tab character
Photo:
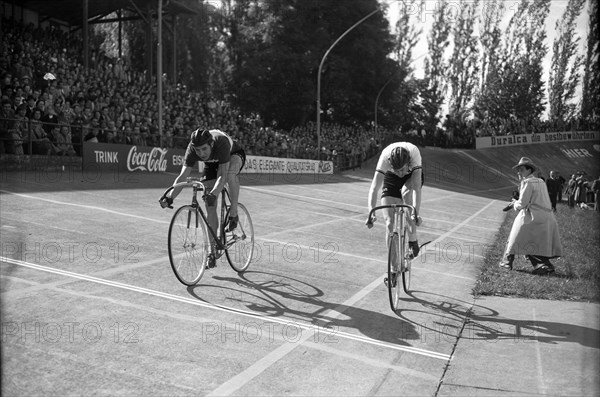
274	165
527	139
126	158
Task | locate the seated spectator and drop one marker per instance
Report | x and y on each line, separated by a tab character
65	130
21	129
7	122
92	135
40	142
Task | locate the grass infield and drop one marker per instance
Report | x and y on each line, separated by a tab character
577	274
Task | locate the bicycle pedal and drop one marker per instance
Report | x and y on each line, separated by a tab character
386	281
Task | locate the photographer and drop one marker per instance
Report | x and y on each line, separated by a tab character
534	232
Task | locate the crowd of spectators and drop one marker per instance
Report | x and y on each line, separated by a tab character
51	104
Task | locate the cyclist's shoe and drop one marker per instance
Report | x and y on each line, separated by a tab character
233	222
211	261
386	280
414	249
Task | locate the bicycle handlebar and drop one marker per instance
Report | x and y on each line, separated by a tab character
189	182
414	214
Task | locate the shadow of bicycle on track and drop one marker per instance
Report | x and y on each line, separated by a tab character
287	299
480	323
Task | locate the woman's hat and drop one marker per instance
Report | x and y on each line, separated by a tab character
526	161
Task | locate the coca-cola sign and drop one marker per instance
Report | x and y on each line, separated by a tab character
128	158
153	160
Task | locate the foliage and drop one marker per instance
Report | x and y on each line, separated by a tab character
591	79
435	64
407	33
564	69
514	85
280	45
464	61
263	56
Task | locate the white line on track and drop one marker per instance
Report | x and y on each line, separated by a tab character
295	196
334	312
538	355
20	221
238	381
90	207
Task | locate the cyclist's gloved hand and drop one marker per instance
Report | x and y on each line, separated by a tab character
210	199
370	222
166	202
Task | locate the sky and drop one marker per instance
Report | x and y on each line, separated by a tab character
425	18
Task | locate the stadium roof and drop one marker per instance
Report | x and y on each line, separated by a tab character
71	11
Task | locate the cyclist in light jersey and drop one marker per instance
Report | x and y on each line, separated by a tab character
399	176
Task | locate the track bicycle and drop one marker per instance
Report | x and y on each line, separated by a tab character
189	242
399	254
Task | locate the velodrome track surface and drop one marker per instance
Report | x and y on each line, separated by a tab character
91	306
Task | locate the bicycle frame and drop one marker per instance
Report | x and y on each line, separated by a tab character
398	209
198	186
399	265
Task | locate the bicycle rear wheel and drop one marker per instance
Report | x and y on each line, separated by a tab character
239	243
405	253
393	279
188	245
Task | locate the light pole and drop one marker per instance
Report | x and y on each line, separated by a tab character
377	98
319	77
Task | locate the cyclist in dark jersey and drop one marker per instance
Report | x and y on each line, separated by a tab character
223	160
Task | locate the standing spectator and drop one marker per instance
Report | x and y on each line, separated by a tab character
561	181
581	189
570	191
553	185
534	232
596	190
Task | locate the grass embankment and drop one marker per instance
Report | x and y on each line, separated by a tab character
577	275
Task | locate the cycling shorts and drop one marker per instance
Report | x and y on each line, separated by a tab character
211	169
392	184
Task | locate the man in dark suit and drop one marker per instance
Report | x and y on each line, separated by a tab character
553	184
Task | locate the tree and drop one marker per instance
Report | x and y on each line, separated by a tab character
514	85
464	61
280	46
564	70
490	38
591	79
406	31
435	64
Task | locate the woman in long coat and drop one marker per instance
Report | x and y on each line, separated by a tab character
535	231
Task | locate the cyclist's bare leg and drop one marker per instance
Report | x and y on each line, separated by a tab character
408	199
233	181
388	215
211	216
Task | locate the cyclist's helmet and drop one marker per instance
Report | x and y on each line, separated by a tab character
201	137
399	157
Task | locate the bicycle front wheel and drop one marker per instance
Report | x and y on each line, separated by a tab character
239	242
393	278
405	255
188	245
